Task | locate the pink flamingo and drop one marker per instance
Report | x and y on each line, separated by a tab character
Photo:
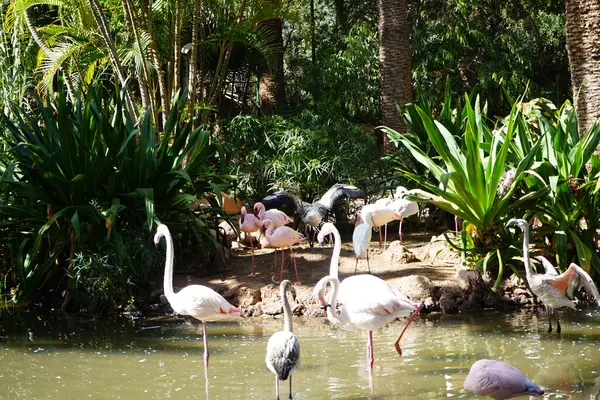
378	215
368	303
278	217
281	237
197	301
249	223
499	381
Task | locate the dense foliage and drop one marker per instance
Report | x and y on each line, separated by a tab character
86	189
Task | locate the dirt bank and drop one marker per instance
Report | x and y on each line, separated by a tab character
425	270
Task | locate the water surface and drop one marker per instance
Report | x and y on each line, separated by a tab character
66	358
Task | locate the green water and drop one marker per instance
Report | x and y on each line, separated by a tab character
58	358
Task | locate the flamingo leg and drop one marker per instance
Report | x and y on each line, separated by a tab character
456	224
282	261
275	261
252	250
549	315
413	316
276	387
368	265
380	238
355	265
293	257
205	339
385	237
400	230
370	358
290	387
555	312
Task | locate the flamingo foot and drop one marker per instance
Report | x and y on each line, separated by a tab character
252	274
297	283
413	316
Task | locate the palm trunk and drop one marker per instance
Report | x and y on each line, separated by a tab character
193	58
583	46
396	65
165	98
112	51
271	84
177	47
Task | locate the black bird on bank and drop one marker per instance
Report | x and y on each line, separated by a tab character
312	214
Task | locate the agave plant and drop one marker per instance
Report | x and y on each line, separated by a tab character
82	171
570	215
471	180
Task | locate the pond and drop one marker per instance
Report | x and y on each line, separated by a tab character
67	358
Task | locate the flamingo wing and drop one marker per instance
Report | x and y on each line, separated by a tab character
203	303
573	279
338	192
283	354
361	237
548	267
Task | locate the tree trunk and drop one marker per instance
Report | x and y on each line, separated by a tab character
583	46
176	79
193	60
271	84
396	65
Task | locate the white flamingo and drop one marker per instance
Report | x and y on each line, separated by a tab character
197	301
405	207
368	303
552	289
499	381
283	348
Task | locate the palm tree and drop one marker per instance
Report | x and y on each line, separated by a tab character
271	83
396	63
583	35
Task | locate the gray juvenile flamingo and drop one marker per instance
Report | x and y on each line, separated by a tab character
499	381
197	301
283	348
552	289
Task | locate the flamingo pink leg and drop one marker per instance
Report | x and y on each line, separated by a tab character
253	263
456	224
370	358
295	267
380	241
282	260
400	230
205	338
413	316
275	261
385	237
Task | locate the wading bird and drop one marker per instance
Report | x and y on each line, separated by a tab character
499	381
282	237
405	207
368	303
377	216
249	223
283	348
278	217
313	213
554	290
197	301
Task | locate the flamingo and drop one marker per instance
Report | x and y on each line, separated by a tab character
283	348
499	381
361	238
405	207
197	301
249	223
283	236
377	215
278	217
552	289
368	303
313	214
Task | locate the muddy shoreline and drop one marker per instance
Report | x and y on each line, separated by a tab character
425	271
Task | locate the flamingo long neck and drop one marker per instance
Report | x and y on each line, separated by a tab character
528	271
335	257
168	278
270	228
331	314
287	311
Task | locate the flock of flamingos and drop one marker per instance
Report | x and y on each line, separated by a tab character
378	303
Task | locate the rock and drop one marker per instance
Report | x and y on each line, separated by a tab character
471	281
438	247
253	311
448	303
272	309
416	287
521	292
246	296
429	305
396	253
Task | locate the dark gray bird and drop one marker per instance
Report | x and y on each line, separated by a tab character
312	214
554	290
499	381
283	348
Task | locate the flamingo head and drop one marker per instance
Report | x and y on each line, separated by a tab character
312	218
265	225
521	223
319	291
326	229
259	209
161	231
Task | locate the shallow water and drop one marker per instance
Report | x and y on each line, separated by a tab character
62	358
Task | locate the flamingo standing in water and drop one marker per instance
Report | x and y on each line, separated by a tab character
249	223
499	381
197	301
278	217
552	289
282	237
283	348
368	303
